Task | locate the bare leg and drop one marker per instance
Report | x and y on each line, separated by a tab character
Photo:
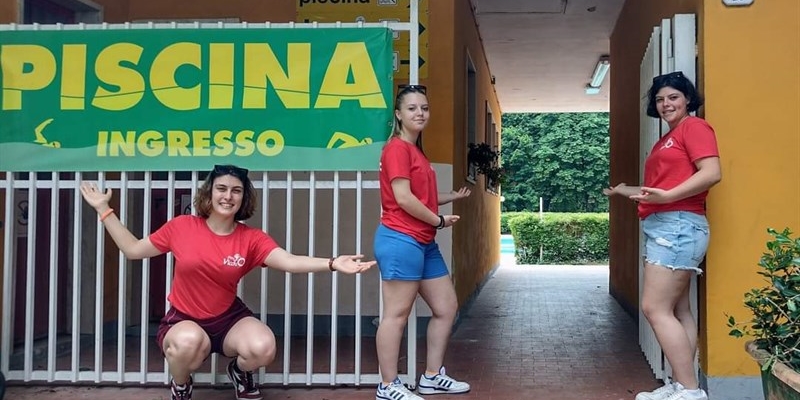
186	345
251	342
663	289
441	297
398	297
683	312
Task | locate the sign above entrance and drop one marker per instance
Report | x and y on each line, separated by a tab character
184	99
374	11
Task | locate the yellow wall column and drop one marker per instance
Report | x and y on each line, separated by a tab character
752	86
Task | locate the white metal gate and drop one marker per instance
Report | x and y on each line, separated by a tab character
672	47
85	257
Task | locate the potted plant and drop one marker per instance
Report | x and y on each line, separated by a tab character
775	323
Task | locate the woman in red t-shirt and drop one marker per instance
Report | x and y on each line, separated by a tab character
407	255
680	169
213	251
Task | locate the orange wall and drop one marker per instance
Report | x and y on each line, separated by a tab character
628	42
752	85
8	11
116	11
476	237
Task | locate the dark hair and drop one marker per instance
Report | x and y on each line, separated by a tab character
403	91
202	200
677	81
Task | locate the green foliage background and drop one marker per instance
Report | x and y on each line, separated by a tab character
564	158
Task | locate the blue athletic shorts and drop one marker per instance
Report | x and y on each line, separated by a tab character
676	239
401	257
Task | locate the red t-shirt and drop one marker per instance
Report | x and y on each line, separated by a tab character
671	162
208	266
401	159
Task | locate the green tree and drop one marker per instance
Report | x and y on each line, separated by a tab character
561	157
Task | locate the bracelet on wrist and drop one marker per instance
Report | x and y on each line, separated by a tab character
441	222
106	213
330	264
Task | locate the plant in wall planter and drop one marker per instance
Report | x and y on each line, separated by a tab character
775	322
486	162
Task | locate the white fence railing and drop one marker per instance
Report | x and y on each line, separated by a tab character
75	316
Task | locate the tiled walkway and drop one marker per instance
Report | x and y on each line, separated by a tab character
534	332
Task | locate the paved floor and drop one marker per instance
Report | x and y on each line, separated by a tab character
534	332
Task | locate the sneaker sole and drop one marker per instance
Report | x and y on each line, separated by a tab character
424	390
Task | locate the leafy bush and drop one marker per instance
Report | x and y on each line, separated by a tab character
775	307
505	217
565	238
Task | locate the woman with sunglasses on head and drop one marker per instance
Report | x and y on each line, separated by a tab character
680	169
213	251
408	257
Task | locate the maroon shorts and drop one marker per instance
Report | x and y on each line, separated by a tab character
216	327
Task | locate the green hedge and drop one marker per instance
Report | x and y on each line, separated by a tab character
505	217
565	238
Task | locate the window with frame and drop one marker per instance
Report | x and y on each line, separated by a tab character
492	139
472	116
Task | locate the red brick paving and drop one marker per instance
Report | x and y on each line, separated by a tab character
534	332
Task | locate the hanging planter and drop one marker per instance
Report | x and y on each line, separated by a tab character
486	162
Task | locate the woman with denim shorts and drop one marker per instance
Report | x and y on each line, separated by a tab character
680	169
213	252
408	257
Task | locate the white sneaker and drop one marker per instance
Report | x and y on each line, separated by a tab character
395	391
440	384
661	393
686	394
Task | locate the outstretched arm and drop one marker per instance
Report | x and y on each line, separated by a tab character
622	190
132	247
285	261
445	198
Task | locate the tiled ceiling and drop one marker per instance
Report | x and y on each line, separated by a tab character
543	52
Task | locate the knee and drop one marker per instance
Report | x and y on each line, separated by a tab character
395	316
445	309
262	349
188	344
653	310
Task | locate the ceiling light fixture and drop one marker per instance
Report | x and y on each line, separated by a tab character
600	71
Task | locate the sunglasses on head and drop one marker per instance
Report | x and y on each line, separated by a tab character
413	88
230	170
671	75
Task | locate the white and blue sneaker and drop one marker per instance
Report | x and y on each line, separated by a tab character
441	384
395	391
661	393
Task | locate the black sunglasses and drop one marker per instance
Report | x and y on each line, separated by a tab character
230	170
671	75
413	88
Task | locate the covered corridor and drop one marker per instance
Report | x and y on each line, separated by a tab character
532	332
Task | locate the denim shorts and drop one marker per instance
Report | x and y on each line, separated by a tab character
401	257
676	239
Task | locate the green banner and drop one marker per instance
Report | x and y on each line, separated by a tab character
185	99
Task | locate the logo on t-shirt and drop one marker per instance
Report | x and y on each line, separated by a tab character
235	260
669	143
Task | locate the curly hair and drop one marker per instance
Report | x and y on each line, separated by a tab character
202	200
